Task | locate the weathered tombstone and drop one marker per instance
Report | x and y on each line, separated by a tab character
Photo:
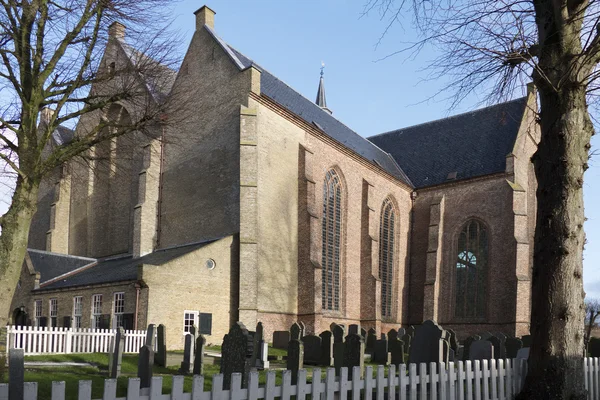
407	339
363	333
281	339
401	332
145	365
500	336
338	357
354	329
381	352
199	356
445	350
427	345
453	341
312	349
481	350
260	350
302	329
295	331
188	354
160	358
295	358
371	338
150	336
116	356
467	346
526	339
16	373
338	334
392	334
234	354
451	355
326	348
354	353
411	331
499	350
486	335
523	353
513	345
396	349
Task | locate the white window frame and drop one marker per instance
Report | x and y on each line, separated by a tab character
118	309
96	311
77	311
195	320
53	311
38	305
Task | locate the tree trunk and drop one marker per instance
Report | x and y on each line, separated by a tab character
13	241
557	327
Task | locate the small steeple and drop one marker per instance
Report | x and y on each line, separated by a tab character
321	101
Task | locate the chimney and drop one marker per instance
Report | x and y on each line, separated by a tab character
116	30
46	115
205	16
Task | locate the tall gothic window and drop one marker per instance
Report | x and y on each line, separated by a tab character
471	270
332	232
386	255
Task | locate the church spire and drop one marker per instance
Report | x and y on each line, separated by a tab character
321	101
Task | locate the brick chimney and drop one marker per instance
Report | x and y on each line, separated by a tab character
116	30
205	16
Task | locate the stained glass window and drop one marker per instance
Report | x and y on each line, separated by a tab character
386	255
331	229
471	270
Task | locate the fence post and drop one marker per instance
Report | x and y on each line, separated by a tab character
68	340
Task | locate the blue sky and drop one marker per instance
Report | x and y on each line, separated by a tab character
291	38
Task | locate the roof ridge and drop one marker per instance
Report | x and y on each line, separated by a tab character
449	117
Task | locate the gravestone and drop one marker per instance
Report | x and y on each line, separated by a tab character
312	349
354	329
427	345
523	353
302	329
371	338
116	356
513	345
526	339
145	365
234	354
407	339
396	348
160	358
199	355
188	355
453	341
354	353
381	352
363	333
499	350
481	350
401	332
467	346
295	331
295	358
486	335
16	373
260	349
281	339
411	331
500	336
392	335
150	336
338	333
338	348
326	348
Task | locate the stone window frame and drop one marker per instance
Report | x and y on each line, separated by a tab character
195	320
77	311
486	280
96	313
390	200
342	241
53	312
118	303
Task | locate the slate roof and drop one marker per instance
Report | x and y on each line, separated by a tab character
62	135
471	144
116	269
50	265
311	113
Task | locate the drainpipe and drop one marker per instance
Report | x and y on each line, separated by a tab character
137	305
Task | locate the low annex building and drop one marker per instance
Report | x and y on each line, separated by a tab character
262	206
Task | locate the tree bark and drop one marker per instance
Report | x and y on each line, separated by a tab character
13	241
556	355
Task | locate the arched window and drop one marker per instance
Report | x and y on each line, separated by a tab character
387	230
332	232
471	270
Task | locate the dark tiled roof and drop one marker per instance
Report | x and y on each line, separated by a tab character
51	265
471	144
293	101
119	269
62	135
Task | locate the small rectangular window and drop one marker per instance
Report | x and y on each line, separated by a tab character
190	318
77	311
119	309
37	312
53	313
205	324
96	311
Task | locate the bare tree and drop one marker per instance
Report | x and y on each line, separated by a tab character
51	57
496	46
592	311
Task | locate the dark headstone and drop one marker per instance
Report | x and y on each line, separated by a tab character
295	332
199	356
453	341
281	339
363	333
234	354
338	357
486	335
353	329
500	336
467	346
526	339
499	349
312	349
145	365
160	358
116	356
354	353
451	356
371	338
302	329
188	355
326	348
513	345
445	350
151	336
411	331
407	339
338	334
523	353
396	348
401	332
16	373
259	358
295	358
392	334
481	350
381	352
427	345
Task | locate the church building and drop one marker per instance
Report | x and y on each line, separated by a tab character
260	205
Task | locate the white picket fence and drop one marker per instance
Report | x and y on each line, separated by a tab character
45	340
493	380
